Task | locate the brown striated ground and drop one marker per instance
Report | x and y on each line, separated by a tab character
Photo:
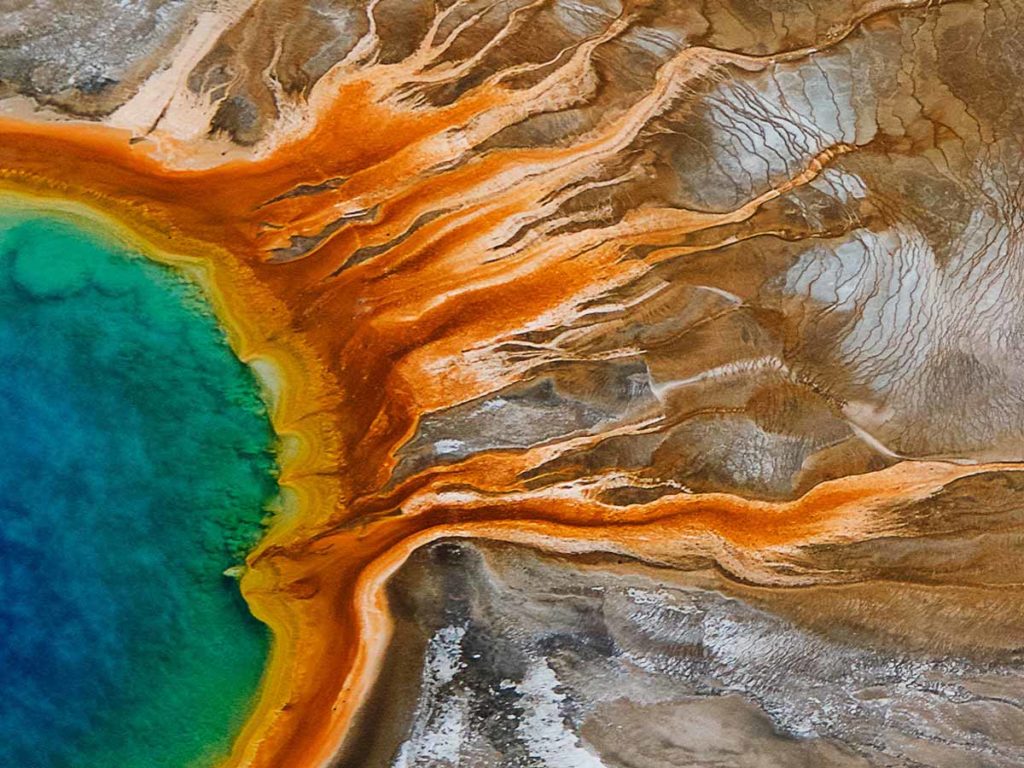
710	311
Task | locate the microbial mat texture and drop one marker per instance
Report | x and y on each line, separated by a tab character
647	379
136	466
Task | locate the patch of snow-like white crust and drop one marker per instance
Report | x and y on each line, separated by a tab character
542	728
436	738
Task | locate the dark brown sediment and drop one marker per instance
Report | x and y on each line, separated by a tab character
727	285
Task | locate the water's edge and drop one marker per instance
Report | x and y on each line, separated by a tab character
17	208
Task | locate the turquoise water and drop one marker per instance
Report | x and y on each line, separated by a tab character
135	467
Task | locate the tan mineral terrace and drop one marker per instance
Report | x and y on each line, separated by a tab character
447	220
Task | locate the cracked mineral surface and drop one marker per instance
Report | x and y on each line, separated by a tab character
648	374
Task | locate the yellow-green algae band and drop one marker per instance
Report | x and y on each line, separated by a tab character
137	469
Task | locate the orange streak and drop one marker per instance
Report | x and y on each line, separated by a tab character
363	354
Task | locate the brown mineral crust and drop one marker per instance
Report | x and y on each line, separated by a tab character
729	283
89	57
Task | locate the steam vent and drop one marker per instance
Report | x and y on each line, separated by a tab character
512	383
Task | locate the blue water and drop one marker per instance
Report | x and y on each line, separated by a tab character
135	467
